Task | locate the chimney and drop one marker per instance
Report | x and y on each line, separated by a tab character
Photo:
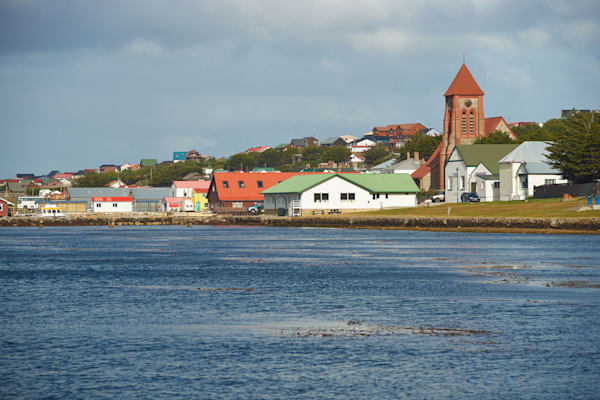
408	155
416	156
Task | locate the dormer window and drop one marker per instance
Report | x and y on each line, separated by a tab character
241	184
225	185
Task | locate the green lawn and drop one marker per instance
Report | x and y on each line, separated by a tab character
531	208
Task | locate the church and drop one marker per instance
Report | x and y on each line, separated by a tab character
464	123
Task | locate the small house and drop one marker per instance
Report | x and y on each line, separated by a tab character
186	188
5	205
112	204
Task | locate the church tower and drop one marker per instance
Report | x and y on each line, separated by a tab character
464	121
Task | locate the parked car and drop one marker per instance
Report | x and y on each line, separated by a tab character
469	197
437	198
256	209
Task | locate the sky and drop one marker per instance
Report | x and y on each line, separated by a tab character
84	83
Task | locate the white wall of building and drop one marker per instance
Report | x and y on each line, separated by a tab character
113	206
452	178
519	187
363	199
181	191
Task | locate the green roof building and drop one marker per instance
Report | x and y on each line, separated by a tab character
319	194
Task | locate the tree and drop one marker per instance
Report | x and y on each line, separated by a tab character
375	153
269	158
242	161
496	137
312	153
421	143
95	179
576	150
336	153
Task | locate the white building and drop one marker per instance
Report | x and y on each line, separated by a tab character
524	168
112	204
361	145
474	168
407	166
336	193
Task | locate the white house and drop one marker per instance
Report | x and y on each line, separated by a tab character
112	204
361	145
336	193
524	168
474	168
407	166
186	188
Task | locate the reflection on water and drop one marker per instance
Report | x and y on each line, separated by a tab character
254	312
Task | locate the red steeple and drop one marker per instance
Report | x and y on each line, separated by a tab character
464	84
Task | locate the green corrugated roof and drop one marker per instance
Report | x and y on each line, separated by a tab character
488	154
374	183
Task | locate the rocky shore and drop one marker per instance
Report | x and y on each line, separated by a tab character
467	224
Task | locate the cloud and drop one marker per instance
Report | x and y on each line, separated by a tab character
153	76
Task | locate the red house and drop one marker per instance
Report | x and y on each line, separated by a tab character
236	191
4	206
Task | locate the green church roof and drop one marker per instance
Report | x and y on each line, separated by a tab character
488	154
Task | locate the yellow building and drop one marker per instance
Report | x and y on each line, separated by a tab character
200	200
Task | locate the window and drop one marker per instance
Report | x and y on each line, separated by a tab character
375	196
549	181
225	185
260	184
496	185
237	204
98	205
321	197
471	122
464	122
203	195
462	183
241	184
450	183
114	205
347	196
386	195
1	206
482	185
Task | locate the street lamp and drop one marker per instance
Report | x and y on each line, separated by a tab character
456	184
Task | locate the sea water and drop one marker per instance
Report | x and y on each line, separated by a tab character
286	313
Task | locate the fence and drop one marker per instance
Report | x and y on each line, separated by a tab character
557	191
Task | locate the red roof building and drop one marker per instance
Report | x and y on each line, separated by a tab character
113	199
398	129
257	149
464	123
231	191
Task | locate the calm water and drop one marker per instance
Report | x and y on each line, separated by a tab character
136	312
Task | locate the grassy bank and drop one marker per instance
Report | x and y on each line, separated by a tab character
533	208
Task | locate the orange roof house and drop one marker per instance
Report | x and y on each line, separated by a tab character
398	129
239	190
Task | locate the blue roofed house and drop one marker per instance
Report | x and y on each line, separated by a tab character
524	168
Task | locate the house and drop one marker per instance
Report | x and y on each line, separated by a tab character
200	199
392	166
232	191
432	132
304	142
26	176
66	175
117	204
16	188
178	204
360	145
107	168
343	140
5	205
186	188
193	176
357	158
259	149
398	129
524	168
338	193
148	162
193	155
474	168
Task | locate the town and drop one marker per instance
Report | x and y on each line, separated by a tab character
474	159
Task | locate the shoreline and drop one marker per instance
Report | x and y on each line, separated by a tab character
458	224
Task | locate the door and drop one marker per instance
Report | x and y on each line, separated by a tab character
473	187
